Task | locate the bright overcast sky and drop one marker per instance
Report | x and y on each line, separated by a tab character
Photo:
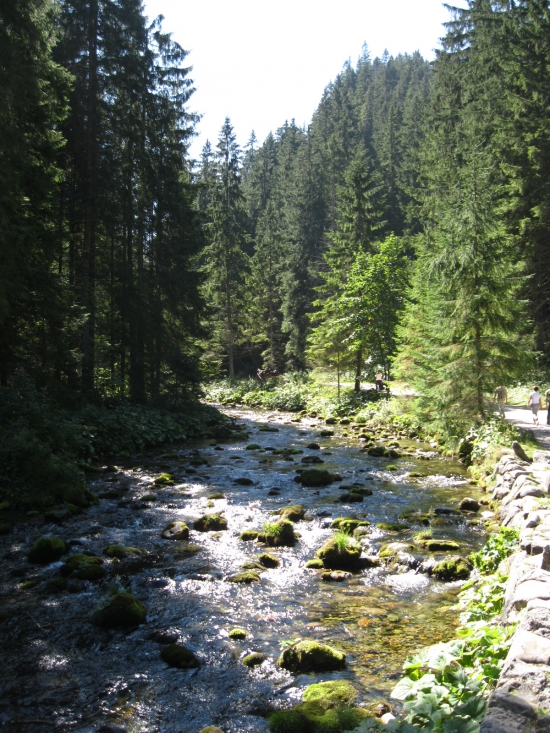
261	62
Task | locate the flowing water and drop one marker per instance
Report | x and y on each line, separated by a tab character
63	673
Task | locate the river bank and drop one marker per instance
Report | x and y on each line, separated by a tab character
70	672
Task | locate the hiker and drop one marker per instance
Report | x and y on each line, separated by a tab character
379	381
535	399
501	397
547	395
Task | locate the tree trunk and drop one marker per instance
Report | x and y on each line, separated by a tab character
358	370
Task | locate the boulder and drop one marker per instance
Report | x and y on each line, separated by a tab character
243	481
340	552
176	655
294	512
122	610
469	505
279	534
210	523
311	656
453	568
377	451
249	576
269	561
392	526
254	659
249	535
335	576
83	567
433	545
47	549
238	634
175	531
122	551
349	524
315	477
351	498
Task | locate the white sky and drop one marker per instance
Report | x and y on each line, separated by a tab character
261	62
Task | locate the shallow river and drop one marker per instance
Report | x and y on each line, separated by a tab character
62	673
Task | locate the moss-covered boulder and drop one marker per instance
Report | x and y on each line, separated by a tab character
249	576
254	659
211	729
238	634
122	610
210	523
175	531
377	451
176	655
269	561
249	535
122	551
350	497
165	479
243	481
253	446
392	549
335	576
314	477
61	513
349	524
453	568
295	513
336	692
340	552
216	495
315	564
83	567
47	549
434	545
392	526
279	534
469	505
311	656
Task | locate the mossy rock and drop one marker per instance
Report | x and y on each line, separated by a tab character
210	523
453	568
313	446
269	561
243	481
331	421
268	429
253	446
122	551
340	552
47	549
253	565
254	659
83	567
178	656
122	610
311	656
315	564
434	545
238	634
469	505
376	451
57	585
295	513
216	495
211	729
335	576
165	479
348	525
394	548
185	551
314	477
149	497
392	453
336	692
249	576
61	513
351	498
169	456
5	528
249	535
392	526
326	433
175	531
391	467
279	534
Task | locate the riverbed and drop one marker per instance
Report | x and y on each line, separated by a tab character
63	673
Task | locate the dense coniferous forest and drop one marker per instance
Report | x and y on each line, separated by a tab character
407	228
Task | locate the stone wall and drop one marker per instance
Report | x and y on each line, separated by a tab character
521	701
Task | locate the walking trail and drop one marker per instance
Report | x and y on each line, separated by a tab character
523	418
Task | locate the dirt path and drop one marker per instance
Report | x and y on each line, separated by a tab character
523	418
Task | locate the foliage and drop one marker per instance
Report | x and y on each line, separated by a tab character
497	548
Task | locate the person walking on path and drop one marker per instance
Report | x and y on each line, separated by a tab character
501	396
535	399
547	395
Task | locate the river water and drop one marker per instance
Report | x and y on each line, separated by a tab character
63	673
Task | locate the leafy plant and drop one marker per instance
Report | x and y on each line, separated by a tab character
498	547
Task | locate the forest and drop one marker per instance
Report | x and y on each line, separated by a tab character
406	229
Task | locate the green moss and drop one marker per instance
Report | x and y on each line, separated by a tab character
453	568
315	477
27	584
169	456
178	656
57	585
288	721
211	729
253	565
165	479
122	551
391	549
438	545
253	446
311	656
340	552
335	692
149	497
294	513
210	523
122	610
315	564
279	534
269	561
47	549
247	577
392	526
248	535
83	567
237	634
175	531
254	659
216	496
351	498
377	451
349	524
391	467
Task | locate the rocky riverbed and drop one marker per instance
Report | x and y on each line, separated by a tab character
188	535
